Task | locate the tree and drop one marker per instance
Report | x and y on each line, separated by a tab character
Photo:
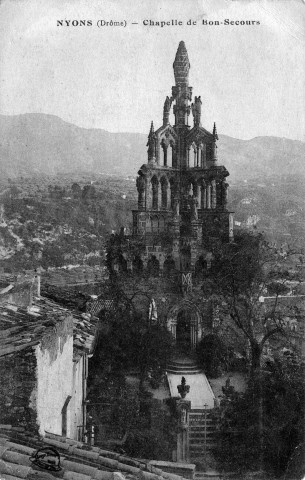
129	338
283	408
76	190
241	276
242	273
52	256
212	355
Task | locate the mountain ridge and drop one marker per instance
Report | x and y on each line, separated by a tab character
35	143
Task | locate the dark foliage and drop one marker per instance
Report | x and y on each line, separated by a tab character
283	413
212	355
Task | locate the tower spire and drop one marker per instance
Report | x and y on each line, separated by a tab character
181	65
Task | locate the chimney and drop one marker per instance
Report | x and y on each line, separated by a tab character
37	279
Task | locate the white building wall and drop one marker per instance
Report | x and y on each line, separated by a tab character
54	384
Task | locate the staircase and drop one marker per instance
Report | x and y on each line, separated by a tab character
183	366
202	428
202	431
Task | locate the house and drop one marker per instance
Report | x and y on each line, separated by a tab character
44	350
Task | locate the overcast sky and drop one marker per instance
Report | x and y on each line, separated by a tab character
250	78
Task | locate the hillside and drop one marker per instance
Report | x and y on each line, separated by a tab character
32	144
65	219
49	217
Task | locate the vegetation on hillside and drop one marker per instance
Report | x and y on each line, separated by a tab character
61	220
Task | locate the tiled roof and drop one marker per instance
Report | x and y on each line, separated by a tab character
78	461
22	327
95	306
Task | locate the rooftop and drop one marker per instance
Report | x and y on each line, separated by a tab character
22	327
78	461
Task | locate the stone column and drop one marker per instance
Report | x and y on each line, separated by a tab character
199	190
224	188
193	335
188	157
203	197
168	196
141	192
183	408
231	228
203	156
209	196
213	195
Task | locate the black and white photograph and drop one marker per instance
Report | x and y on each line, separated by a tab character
152	226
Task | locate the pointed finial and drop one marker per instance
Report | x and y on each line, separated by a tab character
215	132
214	146
152	130
151	143
181	65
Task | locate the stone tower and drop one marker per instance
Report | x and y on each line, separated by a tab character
182	216
182	189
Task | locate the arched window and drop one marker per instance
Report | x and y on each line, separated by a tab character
161	224
164	187
200	266
169	266
203	195
121	264
153	266
164	146
155	188
148	225
170	155
137	265
154	224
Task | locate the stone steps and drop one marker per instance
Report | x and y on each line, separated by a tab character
202	431
183	367
183	371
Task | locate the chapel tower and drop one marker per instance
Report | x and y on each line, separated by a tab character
182	190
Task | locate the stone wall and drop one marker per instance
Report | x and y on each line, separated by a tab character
18	390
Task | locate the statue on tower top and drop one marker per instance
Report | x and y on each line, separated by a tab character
196	110
166	110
